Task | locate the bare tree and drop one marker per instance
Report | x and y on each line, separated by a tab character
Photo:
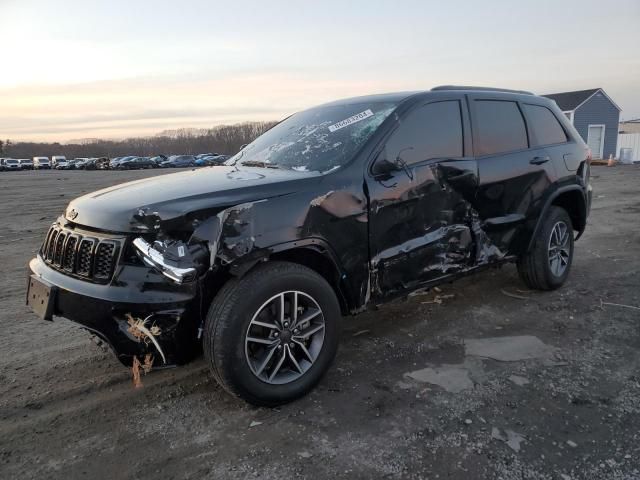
223	139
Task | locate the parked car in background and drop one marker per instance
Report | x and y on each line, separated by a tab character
26	164
90	164
135	163
11	164
56	159
41	163
211	160
96	163
77	163
81	163
203	155
101	163
62	165
158	159
59	162
179	161
113	164
220	159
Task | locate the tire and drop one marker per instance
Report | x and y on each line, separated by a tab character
233	356
537	269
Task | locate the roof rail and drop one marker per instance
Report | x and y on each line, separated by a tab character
482	89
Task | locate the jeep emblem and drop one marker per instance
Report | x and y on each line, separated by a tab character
72	214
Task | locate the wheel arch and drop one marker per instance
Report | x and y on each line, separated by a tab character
571	198
312	253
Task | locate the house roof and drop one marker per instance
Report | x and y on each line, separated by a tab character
568	101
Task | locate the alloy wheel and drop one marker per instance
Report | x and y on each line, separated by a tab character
285	337
559	248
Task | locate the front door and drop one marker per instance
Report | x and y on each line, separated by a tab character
595	140
418	224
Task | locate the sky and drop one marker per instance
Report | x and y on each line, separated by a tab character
75	69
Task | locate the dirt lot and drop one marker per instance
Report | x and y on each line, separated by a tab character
413	392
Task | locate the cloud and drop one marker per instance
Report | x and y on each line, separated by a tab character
123	68
137	106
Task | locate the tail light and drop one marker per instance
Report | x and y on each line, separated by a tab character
585	168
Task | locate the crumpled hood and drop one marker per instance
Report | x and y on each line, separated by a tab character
174	195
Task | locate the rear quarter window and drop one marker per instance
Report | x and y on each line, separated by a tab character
544	126
499	127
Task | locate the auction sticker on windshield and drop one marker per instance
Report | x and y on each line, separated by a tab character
351	120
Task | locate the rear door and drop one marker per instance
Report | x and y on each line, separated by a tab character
514	172
546	132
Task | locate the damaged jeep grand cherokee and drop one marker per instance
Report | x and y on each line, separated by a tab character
335	209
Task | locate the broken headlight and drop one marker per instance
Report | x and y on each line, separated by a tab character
173	258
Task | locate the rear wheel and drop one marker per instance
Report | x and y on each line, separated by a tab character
271	335
547	265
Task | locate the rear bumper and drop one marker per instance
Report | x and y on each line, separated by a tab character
134	292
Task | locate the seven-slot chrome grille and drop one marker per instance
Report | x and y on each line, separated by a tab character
86	256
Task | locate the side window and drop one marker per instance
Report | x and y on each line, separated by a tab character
499	127
544	125
432	131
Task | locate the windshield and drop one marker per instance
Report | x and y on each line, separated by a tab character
319	139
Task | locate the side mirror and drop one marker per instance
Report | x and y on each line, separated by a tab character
382	166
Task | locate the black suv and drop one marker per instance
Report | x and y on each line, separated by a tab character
335	209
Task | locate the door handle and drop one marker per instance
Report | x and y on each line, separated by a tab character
461	176
539	160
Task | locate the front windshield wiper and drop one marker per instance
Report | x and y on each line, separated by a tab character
256	163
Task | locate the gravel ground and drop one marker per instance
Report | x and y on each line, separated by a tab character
422	388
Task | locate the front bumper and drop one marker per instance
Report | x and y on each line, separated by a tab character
136	292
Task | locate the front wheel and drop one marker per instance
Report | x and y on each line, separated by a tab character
547	265
270	336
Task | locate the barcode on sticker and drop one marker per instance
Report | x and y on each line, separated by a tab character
351	120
